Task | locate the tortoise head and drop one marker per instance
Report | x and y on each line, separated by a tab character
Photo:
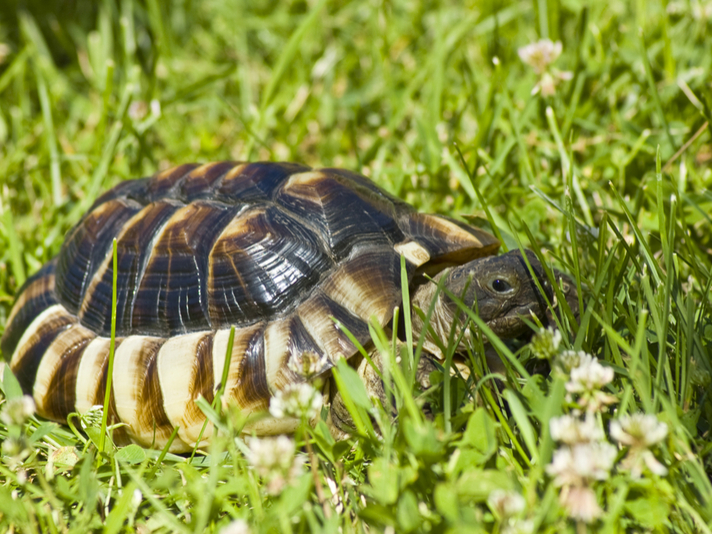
502	290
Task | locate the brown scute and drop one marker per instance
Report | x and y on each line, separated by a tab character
318	315
448	242
171	298
256	181
120	436
129	189
201	181
367	285
262	265
203	379
251	390
86	247
162	184
36	295
285	341
60	398
46	327
152	415
344	213
133	249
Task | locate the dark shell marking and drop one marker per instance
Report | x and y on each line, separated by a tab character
277	250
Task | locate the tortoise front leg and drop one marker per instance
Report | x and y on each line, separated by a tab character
340	422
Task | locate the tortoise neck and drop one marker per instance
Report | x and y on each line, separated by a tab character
441	318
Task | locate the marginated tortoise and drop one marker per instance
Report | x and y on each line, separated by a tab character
278	250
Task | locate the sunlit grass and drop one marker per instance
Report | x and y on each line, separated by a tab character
434	104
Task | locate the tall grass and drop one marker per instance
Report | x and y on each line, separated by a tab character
608	179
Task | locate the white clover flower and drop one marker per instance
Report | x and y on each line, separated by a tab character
309	364
570	359
505	503
296	400
638	431
273	459
588	376
572	430
269	454
18	410
238	526
580	503
545	344
582	463
587	380
541	54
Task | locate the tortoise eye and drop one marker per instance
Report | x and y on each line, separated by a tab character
501	286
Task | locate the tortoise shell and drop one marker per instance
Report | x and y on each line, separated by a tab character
280	251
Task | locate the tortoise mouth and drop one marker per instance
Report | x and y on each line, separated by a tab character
512	324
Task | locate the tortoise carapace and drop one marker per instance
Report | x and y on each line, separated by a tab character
279	251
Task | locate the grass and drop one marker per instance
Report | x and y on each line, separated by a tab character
432	102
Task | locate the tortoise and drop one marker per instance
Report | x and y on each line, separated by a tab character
288	255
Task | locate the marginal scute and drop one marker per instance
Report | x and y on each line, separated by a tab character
326	322
414	252
136	389
55	383
89	373
35	296
185	372
448	242
368	284
34	343
246	383
286	341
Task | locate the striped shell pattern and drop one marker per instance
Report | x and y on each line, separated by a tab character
278	250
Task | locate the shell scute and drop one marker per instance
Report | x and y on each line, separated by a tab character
86	248
36	295
346	214
256	181
171	298
202	181
262	264
165	183
134	245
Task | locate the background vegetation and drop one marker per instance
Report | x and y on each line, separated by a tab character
92	93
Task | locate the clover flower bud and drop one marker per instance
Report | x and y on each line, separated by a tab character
580	503
541	54
582	463
545	343
274	460
296	400
505	503
309	364
572	430
640	432
18	410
